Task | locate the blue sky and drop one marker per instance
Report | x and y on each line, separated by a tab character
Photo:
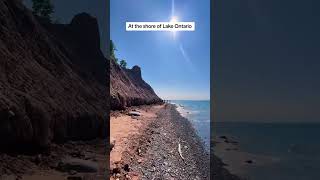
176	68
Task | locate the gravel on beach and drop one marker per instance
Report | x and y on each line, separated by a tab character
155	153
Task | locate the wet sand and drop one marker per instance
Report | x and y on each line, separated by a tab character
236	160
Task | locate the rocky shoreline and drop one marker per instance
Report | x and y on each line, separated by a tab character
154	153
218	170
168	148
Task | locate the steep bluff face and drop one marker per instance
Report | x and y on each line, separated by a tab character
128	88
52	80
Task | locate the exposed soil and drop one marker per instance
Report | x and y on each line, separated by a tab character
123	126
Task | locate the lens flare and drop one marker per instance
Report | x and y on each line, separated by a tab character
174	19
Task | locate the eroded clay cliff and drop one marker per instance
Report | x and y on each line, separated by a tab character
127	88
53	84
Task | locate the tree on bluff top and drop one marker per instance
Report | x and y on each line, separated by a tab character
112	51
123	63
43	9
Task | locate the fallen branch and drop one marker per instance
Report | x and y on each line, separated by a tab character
180	152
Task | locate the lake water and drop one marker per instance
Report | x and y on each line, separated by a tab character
198	112
297	146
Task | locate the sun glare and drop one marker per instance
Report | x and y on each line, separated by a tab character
174	19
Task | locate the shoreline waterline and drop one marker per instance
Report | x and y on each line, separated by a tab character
266	151
198	113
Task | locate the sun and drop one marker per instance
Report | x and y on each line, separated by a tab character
174	19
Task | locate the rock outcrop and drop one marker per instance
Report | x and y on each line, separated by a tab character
128	88
53	82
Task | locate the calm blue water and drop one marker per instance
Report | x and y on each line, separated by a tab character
296	145
198	112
